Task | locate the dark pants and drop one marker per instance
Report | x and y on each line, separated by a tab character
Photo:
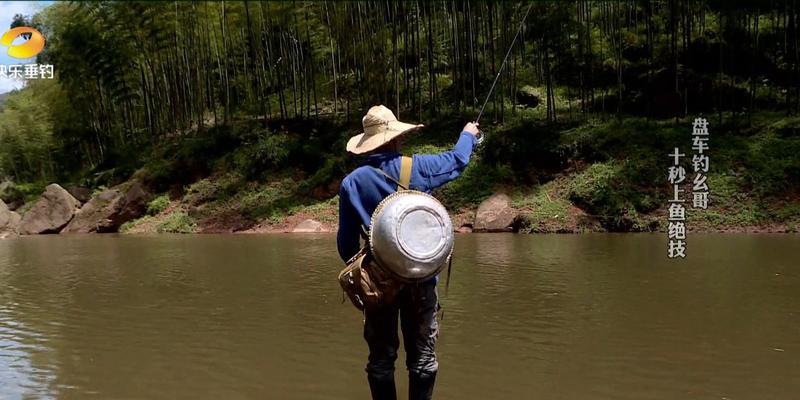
417	305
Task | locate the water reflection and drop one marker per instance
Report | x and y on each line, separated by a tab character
590	316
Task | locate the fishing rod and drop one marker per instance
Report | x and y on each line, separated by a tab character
480	133
505	60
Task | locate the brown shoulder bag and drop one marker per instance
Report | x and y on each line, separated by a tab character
363	280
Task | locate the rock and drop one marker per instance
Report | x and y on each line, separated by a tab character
82	194
464	229
9	221
109	209
494	214
51	212
325	192
134	203
94	215
528	96
308	226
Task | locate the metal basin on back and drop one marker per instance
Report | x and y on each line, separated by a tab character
411	235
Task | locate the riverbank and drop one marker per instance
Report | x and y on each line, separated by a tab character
540	209
590	176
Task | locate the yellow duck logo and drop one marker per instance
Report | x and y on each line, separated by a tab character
32	47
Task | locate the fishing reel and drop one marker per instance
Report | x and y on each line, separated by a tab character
480	137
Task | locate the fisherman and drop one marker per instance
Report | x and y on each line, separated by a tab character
360	193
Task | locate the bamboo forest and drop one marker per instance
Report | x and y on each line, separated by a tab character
234	116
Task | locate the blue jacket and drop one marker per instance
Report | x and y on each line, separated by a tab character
364	188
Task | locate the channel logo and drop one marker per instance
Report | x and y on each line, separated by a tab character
32	47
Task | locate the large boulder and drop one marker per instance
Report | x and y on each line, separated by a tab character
109	209
9	221
54	209
495	214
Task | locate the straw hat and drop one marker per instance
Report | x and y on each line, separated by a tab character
380	127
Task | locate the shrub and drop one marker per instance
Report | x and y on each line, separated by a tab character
158	205
593	188
219	187
604	192
476	184
177	222
271	150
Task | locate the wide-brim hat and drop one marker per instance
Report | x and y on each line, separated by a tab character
380	127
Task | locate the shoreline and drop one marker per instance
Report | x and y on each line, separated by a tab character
333	233
499	213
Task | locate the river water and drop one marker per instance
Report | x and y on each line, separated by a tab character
597	316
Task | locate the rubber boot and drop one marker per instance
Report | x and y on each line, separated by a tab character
382	389
420	385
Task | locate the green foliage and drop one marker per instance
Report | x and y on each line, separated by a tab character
772	163
12	193
267	201
26	133
179	163
228	193
227	110
788	212
125	83
607	192
526	146
729	205
215	188
477	183
30	191
595	189
177	222
270	151
427	148
333	169
157	205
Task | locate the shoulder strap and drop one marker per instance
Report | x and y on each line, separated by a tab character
405	173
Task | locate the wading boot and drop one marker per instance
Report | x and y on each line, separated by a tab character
420	385
382	389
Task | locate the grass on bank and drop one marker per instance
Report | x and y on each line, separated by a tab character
173	222
177	222
544	210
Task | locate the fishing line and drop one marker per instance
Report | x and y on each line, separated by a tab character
505	59
480	134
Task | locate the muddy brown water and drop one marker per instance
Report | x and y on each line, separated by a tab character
596	316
